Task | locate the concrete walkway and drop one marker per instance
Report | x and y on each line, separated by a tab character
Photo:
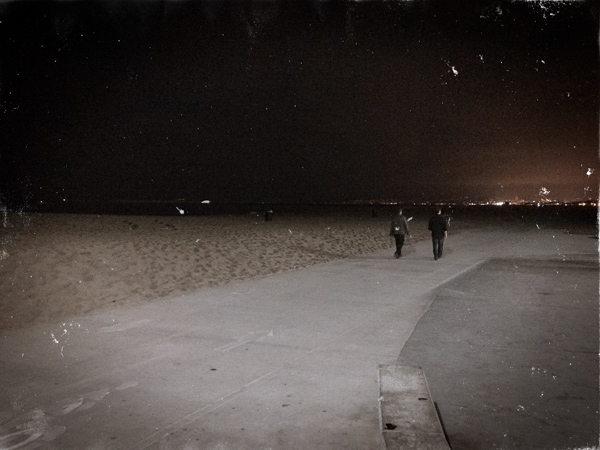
510	351
284	362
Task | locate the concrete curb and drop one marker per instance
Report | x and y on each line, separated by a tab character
407	415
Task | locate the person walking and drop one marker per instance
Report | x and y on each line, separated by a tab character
399	229
439	232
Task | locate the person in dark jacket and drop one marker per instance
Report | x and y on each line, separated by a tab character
399	229
439	231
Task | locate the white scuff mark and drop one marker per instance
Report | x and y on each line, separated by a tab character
520	408
181	211
197	240
32	437
409	219
126	385
250	337
290	231
481	58
124	326
97	395
206	202
589	172
70	405
538	227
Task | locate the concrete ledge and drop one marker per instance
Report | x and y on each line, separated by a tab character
407	415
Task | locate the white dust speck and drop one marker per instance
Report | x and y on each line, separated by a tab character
451	67
181	211
589	172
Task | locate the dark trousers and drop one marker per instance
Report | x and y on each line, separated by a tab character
438	247
399	243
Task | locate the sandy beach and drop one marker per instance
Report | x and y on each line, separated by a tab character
57	266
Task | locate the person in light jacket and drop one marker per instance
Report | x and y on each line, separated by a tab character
399	229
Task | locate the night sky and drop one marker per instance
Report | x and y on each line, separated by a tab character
311	101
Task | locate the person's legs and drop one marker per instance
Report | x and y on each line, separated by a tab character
435	247
399	243
440	248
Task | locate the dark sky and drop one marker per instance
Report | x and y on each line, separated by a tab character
307	101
